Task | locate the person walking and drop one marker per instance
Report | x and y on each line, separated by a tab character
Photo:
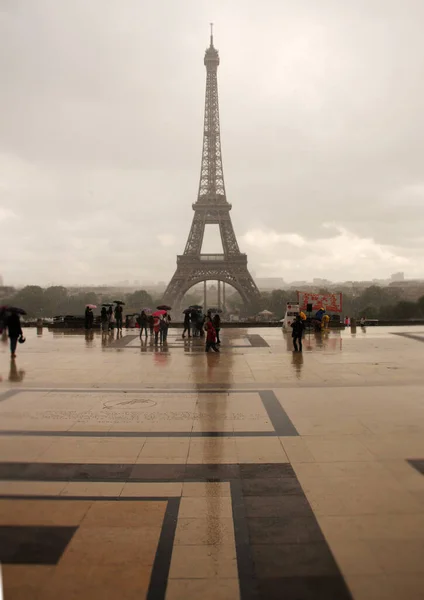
13	324
112	321
87	317
109	317
156	328
104	319
143	323
151	322
118	316
210	336
167	321
297	333
200	323
163	328
187	324
216	321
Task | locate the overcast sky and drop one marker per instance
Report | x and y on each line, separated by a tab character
101	115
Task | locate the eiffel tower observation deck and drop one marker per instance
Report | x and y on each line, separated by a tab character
212	208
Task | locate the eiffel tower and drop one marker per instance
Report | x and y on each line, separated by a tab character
211	208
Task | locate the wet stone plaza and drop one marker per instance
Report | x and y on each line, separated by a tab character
137	472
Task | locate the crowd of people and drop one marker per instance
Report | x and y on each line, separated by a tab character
196	324
156	324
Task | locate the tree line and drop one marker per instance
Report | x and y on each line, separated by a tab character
58	300
373	303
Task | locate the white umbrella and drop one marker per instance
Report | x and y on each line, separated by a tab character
266	313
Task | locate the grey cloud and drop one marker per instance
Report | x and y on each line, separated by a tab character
101	116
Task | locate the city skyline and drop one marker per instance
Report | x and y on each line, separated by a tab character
100	133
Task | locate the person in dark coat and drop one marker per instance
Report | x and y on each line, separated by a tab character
15	331
216	321
87	317
118	316
187	324
144	321
167	320
104	318
210	336
297	333
151	322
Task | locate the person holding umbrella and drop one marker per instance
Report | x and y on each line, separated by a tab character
216	321
151	322
89	316
143	322
156	327
104	318
157	324
210	336
187	322
118	314
13	325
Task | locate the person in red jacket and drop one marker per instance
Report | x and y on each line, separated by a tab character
210	336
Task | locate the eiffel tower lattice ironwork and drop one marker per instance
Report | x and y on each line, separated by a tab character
211	208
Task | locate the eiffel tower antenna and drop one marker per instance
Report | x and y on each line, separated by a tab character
211	208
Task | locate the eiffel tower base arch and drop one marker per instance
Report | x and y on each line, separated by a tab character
194	271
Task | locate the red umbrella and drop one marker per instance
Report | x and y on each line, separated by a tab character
159	313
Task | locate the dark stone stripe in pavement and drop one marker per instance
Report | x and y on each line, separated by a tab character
257	341
245	565
8	394
278	416
281	551
417	463
302	588
162	563
136	434
33	545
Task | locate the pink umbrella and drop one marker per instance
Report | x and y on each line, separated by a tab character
92	306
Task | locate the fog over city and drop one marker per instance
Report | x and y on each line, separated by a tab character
101	122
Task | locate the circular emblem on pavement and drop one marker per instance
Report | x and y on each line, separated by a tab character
134	404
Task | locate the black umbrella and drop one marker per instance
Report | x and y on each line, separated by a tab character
164	307
196	307
19	311
107	304
187	310
215	310
119	302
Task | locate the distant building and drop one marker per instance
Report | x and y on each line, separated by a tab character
6	291
397	276
270	283
321	282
